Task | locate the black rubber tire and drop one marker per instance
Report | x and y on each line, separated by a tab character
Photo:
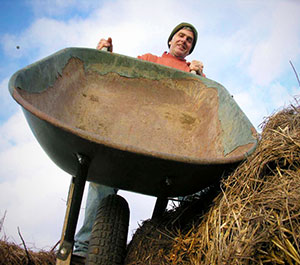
108	240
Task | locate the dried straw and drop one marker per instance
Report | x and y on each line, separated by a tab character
12	254
256	217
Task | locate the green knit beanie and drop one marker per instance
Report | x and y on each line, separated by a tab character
179	27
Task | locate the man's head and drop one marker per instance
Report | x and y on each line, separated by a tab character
182	40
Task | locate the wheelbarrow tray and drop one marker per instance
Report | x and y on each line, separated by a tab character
145	127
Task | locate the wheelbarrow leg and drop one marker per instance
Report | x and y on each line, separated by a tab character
160	207
72	212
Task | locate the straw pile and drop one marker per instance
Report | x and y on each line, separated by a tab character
12	254
255	219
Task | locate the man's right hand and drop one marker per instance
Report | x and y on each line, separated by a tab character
197	66
105	43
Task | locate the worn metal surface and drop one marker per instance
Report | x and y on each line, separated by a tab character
140	123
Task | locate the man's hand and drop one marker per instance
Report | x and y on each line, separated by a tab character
105	43
197	66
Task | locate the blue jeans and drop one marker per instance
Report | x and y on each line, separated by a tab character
96	193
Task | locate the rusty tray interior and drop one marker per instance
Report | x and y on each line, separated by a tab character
113	102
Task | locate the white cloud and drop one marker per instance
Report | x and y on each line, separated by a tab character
58	7
271	55
261	39
7	106
260	102
31	186
14	130
280	96
252	108
129	23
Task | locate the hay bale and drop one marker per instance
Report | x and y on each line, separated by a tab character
149	239
12	254
256	217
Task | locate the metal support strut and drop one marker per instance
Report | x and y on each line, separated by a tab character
160	207
72	213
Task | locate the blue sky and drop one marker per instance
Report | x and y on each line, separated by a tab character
245	45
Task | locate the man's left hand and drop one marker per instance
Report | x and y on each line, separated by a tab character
196	66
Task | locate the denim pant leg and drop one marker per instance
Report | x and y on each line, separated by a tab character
96	193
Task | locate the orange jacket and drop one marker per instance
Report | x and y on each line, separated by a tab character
168	60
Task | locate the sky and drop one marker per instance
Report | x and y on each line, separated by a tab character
246	45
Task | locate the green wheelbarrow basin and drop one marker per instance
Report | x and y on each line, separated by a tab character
145	127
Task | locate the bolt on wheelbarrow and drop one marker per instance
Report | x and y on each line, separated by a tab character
132	125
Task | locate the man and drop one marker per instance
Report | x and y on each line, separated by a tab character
181	43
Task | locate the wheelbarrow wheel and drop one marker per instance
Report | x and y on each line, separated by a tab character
108	240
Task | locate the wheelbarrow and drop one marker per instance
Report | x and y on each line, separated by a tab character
129	124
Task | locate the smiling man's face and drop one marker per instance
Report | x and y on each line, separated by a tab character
181	43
